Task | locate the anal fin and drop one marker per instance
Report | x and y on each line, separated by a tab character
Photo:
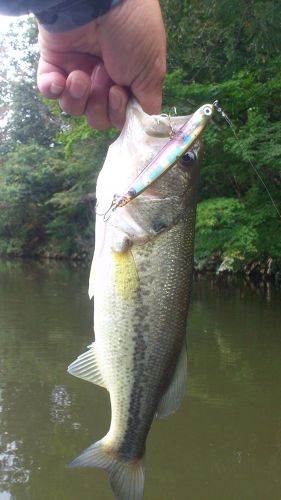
174	394
86	367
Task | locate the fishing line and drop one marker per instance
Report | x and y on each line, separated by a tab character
227	119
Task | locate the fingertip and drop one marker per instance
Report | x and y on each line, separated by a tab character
55	90
149	92
75	96
118	100
97	110
51	85
150	102
78	84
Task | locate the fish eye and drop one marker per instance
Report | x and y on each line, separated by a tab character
132	193
207	111
189	158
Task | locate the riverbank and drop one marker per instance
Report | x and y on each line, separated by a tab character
268	270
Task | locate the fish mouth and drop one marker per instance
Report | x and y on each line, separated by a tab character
162	126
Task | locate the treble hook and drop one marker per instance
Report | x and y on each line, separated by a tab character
172	132
107	214
169	116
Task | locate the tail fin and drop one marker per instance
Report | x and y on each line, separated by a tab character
126	478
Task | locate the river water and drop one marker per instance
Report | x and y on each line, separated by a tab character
223	444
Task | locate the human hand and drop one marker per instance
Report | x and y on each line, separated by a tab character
93	69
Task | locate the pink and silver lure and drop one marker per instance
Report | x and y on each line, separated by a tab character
179	144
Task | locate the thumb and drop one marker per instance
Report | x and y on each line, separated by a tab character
133	45
148	90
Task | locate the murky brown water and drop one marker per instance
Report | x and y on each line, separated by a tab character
223	444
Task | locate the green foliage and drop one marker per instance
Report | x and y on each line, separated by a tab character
27	177
211	40
47	200
77	132
231	233
218	49
244	74
28	116
72	228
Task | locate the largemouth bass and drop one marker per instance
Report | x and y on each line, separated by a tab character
141	282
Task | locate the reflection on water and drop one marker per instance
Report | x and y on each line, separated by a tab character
223	444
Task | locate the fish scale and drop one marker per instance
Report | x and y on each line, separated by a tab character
163	336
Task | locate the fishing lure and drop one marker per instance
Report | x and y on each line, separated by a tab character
178	146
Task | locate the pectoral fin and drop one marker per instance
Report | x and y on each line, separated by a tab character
174	395
86	367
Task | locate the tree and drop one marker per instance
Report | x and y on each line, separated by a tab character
27	116
30	175
217	50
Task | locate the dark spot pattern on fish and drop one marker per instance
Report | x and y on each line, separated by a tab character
132	445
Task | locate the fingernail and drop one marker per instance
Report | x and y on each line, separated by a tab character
95	73
77	89
115	101
116	110
55	89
